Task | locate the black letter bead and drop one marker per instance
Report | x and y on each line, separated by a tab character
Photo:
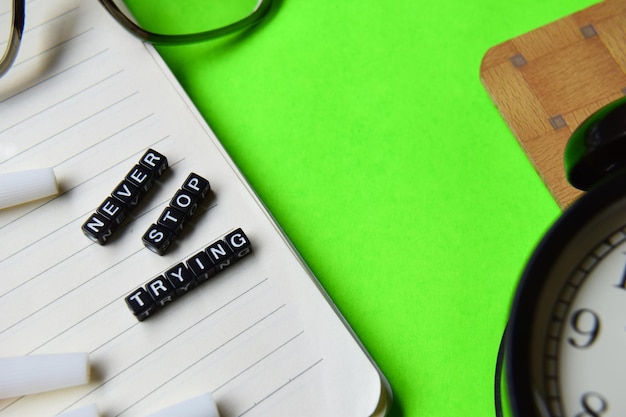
154	161
201	266
98	228
113	209
141	177
185	276
127	193
239	243
158	238
141	304
181	278
172	219
185	202
220	254
161	290
197	185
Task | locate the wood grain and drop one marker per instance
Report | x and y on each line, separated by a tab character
546	82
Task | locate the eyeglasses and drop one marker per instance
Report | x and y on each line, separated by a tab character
162	22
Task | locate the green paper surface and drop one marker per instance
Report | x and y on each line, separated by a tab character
365	129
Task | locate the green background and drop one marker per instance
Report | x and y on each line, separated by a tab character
365	129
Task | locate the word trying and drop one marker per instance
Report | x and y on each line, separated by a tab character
183	277
181	209
125	197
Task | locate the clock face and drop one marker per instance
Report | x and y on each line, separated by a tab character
566	350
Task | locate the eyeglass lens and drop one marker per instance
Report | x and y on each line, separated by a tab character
181	17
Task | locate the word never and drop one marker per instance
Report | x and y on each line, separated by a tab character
125	197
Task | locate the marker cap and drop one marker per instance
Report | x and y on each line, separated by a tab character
37	373
88	411
24	186
201	406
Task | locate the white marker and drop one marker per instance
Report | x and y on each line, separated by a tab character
202	406
31	374
24	186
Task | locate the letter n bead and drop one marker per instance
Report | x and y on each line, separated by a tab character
220	254
98	228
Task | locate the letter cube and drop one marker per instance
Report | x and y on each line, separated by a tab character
201	266
172	219
98	228
155	162
220	254
141	304
113	209
128	194
186	202
141	177
158	238
197	185
181	278
161	290
239	243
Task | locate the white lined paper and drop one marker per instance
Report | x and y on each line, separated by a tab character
88	99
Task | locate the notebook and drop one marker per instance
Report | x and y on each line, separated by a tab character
89	100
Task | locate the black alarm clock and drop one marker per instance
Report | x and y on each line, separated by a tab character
563	353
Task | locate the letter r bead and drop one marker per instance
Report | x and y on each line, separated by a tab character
154	161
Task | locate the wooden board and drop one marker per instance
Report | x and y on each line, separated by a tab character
546	82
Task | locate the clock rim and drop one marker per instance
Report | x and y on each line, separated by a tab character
517	337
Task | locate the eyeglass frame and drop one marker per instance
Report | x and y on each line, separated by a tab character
19	13
15	36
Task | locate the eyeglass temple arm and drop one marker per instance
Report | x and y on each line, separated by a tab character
261	9
15	36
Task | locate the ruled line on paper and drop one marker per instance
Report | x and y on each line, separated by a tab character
57	74
73	125
72	290
73	189
34	277
89	244
51	19
256	404
74	95
172	338
267	355
97	143
238	374
89	280
51	48
257	367
223	306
